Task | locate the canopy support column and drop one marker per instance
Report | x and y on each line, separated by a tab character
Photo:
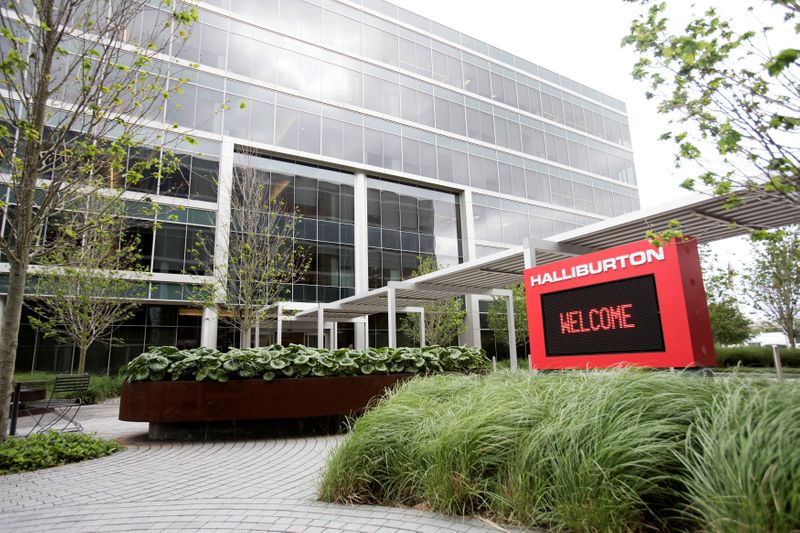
279	326
320	327
392	310
422	327
512	335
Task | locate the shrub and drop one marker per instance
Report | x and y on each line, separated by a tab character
51	449
276	361
757	356
100	387
598	451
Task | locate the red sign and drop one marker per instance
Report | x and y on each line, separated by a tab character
635	304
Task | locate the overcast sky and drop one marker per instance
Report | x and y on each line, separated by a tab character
580	39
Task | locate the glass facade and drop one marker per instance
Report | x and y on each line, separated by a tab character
378	126
369	90
323	199
407	223
152	325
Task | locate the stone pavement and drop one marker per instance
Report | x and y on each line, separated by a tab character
261	485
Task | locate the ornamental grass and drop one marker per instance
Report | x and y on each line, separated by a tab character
621	450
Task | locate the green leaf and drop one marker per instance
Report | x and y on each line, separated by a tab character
781	61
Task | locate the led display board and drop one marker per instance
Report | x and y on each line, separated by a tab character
634	304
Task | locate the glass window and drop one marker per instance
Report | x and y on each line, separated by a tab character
204	180
180	107
390	210
411	161
347	266
332	138
286	127
445	158
329	201
175	181
328	231
252	58
391	266
199	246
408	213
427	157
491	174
214	47
341	84
305	196
139	176
374	268
373	207
208	114
426	216
373	147
341	32
140	232
170	243
352	147
390	239
460	168
309	130
392	151
473	123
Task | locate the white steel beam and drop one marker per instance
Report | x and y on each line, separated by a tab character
449	289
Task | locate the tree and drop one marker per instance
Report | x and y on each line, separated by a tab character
263	258
444	319
79	293
498	317
773	280
728	324
727	94
73	102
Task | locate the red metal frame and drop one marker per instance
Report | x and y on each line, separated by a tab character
682	301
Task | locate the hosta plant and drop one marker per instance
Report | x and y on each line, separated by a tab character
271	362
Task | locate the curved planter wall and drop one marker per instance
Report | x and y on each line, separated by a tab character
161	402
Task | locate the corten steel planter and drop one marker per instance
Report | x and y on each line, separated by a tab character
160	402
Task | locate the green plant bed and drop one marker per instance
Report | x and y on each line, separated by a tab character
101	387
294	361
625	450
51	449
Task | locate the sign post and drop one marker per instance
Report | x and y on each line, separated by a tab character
634	304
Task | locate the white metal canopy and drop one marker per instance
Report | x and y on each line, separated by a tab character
703	217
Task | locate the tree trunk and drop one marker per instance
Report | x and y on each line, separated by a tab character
244	337
8	339
82	349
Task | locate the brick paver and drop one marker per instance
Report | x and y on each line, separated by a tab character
259	485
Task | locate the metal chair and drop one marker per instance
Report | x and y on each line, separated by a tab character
63	409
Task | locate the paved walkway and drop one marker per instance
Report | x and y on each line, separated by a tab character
263	485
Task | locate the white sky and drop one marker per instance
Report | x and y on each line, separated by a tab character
581	39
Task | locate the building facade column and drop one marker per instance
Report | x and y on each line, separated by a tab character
472	333
208	332
360	245
208	327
